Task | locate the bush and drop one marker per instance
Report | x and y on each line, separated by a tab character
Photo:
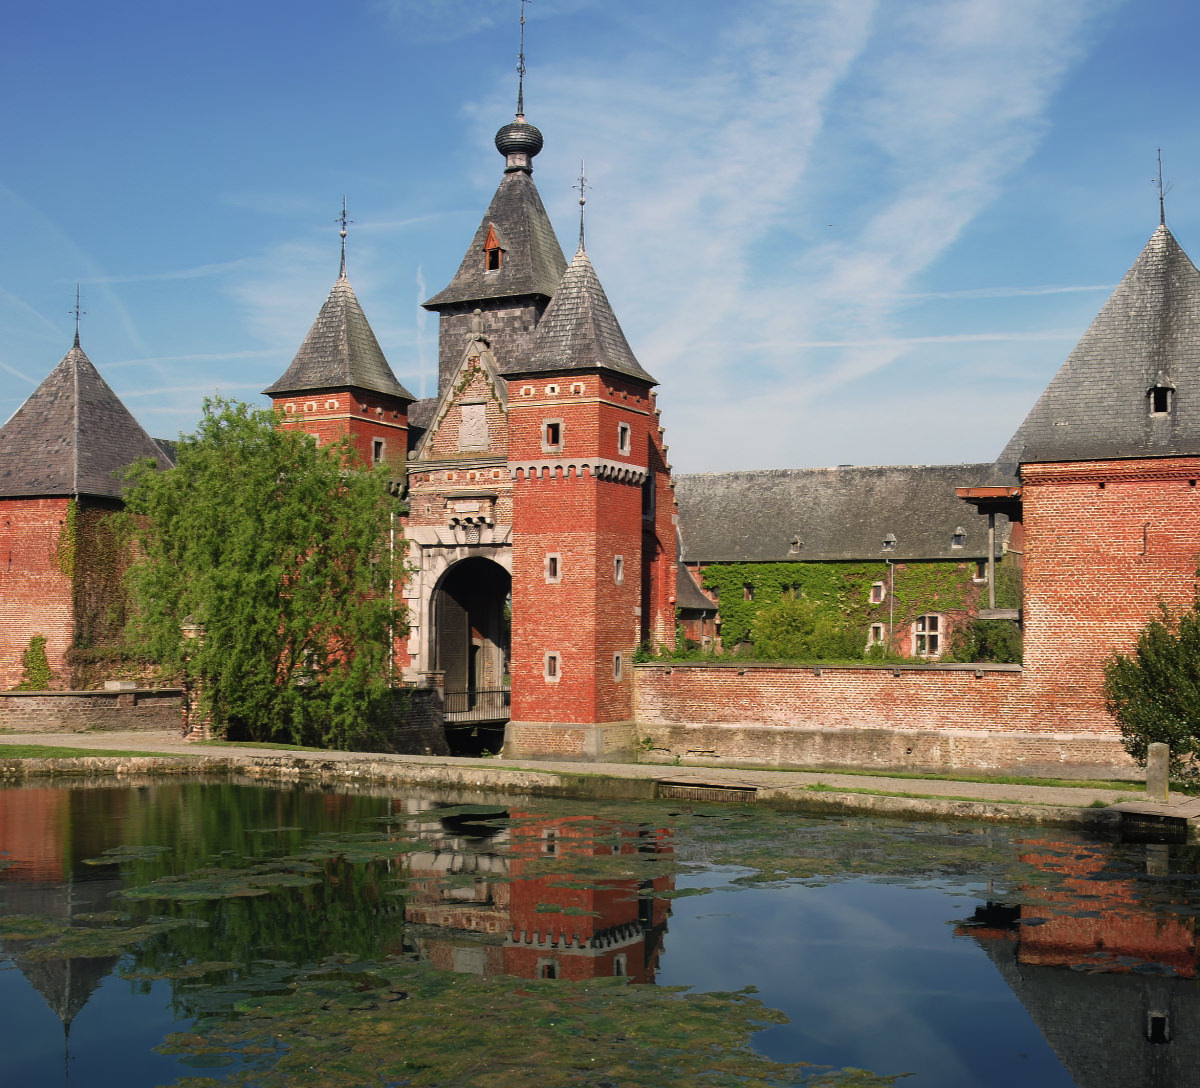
997	641
1154	692
35	675
795	628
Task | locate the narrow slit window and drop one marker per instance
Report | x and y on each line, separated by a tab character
624	437
878	592
618	666
552	668
554	568
619	569
551	435
377	450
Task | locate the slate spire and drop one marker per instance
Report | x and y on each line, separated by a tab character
579	330
1131	386
340	351
73	436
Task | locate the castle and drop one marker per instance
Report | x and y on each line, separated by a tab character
547	539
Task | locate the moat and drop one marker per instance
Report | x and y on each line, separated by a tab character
200	934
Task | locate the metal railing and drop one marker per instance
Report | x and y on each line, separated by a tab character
491	705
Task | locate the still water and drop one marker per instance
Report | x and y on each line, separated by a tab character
204	934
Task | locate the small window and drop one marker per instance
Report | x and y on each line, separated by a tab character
618	666
959	539
552	668
377	451
552	390
624	436
878	593
649	499
493	255
577	388
553	568
981	570
1161	398
619	569
547	969
875	634
747	591
620	968
551	435
796	545
527	390
550	841
927	635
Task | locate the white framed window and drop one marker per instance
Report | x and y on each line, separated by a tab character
981	571
624	438
552	390
552	434
878	593
927	635
874	635
527	390
550	841
577	388
619	569
552	667
959	539
554	568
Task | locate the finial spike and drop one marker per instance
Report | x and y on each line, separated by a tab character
583	188
343	220
78	314
521	66
1162	207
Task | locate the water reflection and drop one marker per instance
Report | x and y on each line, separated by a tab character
1102	958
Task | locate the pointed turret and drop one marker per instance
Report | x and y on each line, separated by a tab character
340	352
579	330
512	266
73	436
1131	387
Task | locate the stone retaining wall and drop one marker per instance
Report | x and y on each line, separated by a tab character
982	718
151	709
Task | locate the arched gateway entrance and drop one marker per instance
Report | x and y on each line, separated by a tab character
471	624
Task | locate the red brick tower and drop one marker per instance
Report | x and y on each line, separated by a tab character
340	384
61	458
593	534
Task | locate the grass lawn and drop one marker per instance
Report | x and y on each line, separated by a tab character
55	751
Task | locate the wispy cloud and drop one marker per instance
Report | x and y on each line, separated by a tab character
1006	292
215	269
18	374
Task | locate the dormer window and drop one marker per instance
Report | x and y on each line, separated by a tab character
493	254
959	539
1162	397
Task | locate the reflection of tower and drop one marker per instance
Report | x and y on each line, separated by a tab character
1107	979
46	832
486	903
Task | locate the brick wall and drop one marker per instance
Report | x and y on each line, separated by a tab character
946	717
150	709
330	415
35	594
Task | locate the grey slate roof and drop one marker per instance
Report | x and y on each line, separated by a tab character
835	513
1096	406
533	261
688	595
579	330
420	416
73	436
340	352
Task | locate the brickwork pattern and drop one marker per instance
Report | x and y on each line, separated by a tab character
159	709
35	594
330	415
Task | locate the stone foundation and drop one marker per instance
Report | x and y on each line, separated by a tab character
150	709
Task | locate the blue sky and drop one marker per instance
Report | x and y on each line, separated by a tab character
836	231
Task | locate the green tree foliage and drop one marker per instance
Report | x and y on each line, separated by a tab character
799	629
1154	692
996	641
263	580
35	668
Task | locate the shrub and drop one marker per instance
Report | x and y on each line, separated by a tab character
36	674
996	641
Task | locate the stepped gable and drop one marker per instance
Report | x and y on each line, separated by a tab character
835	514
579	330
532	260
1099	406
73	436
340	352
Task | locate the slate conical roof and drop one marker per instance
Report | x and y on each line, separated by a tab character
73	436
1148	334
532	261
579	330
340	352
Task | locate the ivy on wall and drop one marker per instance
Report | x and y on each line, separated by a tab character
840	590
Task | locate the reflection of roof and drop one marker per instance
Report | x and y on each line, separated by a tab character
340	352
579	330
73	436
1097	405
832	514
1097	1023
532	261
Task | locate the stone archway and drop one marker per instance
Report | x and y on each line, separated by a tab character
471	638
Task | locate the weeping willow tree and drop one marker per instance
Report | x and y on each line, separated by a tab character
263	580
1154	692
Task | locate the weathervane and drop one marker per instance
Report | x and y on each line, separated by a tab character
1162	192
343	220
583	188
521	66
78	314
